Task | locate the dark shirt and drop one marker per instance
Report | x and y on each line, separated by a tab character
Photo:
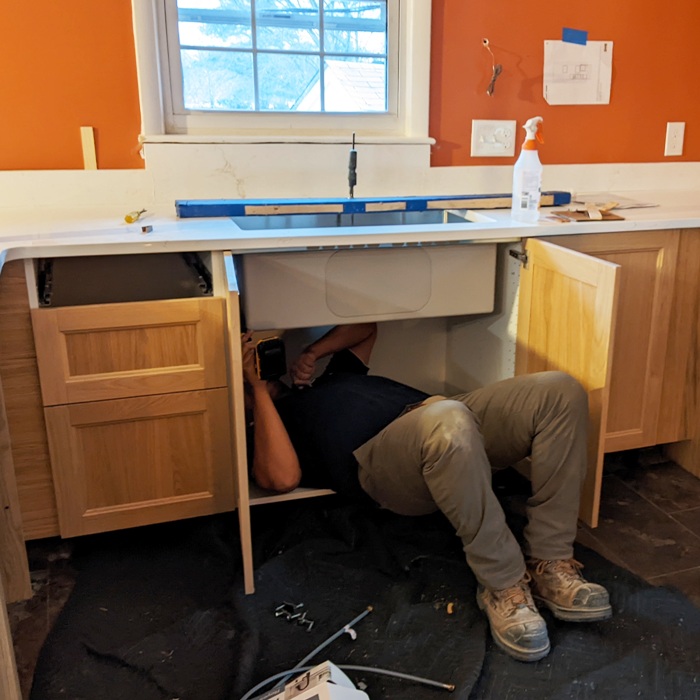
343	409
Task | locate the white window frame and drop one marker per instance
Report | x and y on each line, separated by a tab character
407	118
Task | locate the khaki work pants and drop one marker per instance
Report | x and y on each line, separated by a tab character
440	456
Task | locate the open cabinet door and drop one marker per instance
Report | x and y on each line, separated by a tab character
566	319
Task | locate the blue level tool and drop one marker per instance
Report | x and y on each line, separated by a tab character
197	208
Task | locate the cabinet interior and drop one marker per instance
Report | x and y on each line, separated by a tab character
77	281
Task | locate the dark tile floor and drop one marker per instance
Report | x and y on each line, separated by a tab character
649	524
52	579
650	521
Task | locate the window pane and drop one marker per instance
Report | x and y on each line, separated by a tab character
288	82
213	4
355	85
199	34
215	23
355	27
218	80
234	61
287	25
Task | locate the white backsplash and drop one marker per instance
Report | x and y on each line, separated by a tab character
254	170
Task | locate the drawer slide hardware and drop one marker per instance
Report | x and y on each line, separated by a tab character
200	270
44	281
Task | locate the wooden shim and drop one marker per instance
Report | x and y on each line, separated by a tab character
271	209
87	138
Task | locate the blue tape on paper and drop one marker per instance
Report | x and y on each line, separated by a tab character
574	36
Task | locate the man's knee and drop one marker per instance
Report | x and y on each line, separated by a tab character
563	391
445	426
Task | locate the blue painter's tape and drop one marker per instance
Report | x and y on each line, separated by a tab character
574	36
197	208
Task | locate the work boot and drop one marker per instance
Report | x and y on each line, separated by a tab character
516	625
558	584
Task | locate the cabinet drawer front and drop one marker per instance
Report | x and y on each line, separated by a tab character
107	351
131	462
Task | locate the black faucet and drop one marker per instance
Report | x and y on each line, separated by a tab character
352	168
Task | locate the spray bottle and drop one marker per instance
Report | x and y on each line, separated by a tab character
527	175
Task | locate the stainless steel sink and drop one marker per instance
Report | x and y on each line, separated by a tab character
377	218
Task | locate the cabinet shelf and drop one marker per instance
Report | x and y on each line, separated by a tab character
260	496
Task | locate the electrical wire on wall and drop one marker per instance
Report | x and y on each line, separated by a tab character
497	69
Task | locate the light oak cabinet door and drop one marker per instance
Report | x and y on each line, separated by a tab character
647	270
143	460
137	411
566	322
108	351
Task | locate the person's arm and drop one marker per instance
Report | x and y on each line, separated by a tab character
358	337
275	462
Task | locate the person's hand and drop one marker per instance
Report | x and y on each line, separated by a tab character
248	352
302	369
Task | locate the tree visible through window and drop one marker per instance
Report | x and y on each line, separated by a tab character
284	55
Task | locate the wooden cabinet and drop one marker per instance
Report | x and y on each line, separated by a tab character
146	420
110	351
627	341
137	411
19	376
566	321
127	462
647	271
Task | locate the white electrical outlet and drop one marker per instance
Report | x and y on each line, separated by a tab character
493	137
675	131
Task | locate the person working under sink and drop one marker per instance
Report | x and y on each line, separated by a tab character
364	435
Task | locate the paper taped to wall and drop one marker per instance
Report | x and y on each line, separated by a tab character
575	74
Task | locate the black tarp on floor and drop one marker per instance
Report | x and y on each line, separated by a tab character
158	613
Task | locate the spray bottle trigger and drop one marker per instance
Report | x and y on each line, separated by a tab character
538	134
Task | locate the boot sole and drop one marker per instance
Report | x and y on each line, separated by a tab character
517	653
573	614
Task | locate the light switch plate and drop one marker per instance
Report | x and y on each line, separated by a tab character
675	131
493	137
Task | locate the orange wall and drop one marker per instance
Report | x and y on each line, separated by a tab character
71	63
655	77
65	65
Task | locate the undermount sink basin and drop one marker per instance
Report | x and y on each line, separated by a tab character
345	283
376	218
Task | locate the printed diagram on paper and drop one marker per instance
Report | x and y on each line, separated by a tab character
577	74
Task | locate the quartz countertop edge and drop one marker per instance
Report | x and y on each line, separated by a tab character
102	231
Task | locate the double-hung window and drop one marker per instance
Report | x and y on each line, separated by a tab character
294	66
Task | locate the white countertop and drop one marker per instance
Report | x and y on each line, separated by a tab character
44	233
